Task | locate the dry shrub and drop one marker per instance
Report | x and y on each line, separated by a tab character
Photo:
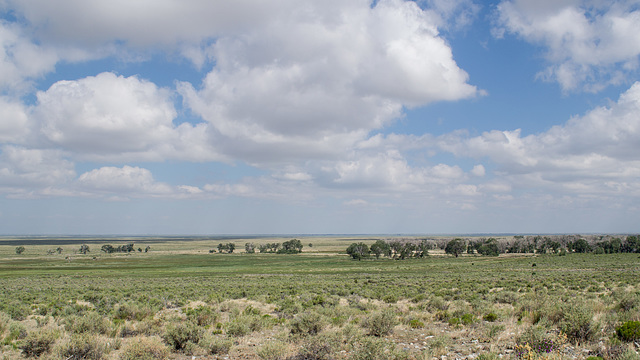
39	342
144	348
80	346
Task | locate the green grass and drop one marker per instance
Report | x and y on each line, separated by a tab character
193	276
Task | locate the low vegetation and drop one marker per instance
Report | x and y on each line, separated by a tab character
178	301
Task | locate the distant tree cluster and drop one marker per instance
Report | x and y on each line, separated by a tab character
399	250
110	249
226	248
554	244
293	246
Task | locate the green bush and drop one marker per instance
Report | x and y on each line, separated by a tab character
468	319
490	317
307	323
380	323
39	342
577	322
629	331
144	348
179	335
416	324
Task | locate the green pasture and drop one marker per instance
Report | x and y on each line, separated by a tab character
180	271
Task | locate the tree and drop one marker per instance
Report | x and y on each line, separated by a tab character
19	250
358	251
380	247
581	246
455	247
249	248
489	247
84	248
147	248
108	249
293	246
59	250
632	244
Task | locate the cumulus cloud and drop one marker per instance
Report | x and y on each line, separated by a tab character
14	121
312	84
590	44
113	117
21	59
596	153
127	181
28	172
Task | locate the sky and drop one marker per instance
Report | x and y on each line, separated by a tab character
166	117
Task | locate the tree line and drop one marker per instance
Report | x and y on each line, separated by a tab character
293	246
395	249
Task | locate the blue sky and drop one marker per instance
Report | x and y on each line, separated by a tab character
304	116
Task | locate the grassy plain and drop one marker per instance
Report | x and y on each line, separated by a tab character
250	305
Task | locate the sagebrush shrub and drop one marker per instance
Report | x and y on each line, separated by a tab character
320	347
144	348
80	346
179	335
90	322
577	322
273	350
216	345
380	323
39	342
307	323
374	349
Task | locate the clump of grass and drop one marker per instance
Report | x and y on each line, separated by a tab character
416	324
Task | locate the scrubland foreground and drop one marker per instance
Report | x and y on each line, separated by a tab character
190	304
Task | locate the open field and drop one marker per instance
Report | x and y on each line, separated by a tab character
180	301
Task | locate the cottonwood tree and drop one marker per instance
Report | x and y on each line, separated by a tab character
358	251
84	248
455	247
19	250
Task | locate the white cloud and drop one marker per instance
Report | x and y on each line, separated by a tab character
598	153
14	121
21	59
590	44
478	170
25	172
312	85
116	118
125	181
